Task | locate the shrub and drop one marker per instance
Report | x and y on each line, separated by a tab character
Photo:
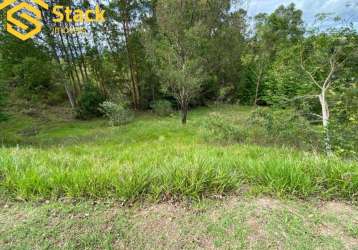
286	127
218	128
88	102
117	114
344	124
344	137
264	127
162	107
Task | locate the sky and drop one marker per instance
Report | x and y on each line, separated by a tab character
347	9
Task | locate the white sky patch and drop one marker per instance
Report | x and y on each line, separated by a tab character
346	9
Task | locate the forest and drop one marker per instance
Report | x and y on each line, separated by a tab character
179	106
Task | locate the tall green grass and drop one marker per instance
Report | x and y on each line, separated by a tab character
160	159
165	171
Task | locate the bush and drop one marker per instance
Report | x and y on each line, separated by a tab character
117	114
218	128
344	137
88	102
286	127
263	127
344	124
162	107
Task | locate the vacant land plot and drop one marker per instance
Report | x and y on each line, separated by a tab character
77	185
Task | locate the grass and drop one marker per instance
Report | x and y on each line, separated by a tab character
157	158
235	222
81	182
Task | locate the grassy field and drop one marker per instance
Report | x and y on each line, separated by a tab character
157	158
154	184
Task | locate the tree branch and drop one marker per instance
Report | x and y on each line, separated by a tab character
309	73
328	83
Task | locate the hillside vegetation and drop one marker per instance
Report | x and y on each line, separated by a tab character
158	159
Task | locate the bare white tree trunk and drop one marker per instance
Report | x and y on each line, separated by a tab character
258	82
322	97
325	121
70	97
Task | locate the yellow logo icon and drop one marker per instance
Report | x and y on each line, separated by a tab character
14	24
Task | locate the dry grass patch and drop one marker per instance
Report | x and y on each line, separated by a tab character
246	223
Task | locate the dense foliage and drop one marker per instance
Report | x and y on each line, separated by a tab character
194	53
89	102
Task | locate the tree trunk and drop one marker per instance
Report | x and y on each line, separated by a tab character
72	66
325	121
51	41
184	113
70	98
258	81
257	89
82	56
131	61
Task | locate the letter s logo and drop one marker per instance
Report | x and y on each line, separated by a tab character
13	22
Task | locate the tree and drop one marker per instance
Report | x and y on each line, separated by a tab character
222	46
180	77
273	34
284	82
174	48
25	66
257	61
123	20
324	60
